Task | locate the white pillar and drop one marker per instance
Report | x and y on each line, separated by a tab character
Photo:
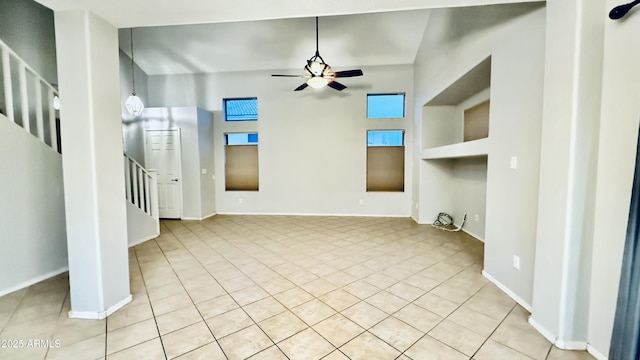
617	159
88	73
568	169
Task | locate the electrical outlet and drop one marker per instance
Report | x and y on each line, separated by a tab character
476	217
361	201
516	262
240	201
204	171
417	205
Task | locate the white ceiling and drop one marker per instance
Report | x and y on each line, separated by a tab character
345	42
134	13
246	35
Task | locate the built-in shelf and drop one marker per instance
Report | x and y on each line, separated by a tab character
465	149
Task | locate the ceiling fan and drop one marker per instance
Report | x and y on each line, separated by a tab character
318	73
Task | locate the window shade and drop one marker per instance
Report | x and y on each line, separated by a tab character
241	167
385	168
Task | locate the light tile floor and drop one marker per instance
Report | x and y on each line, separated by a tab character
277	287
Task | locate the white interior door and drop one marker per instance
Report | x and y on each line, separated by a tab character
162	154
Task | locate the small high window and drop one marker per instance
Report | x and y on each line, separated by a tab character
241	139
244	109
385	106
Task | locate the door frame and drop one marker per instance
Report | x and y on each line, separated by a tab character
179	148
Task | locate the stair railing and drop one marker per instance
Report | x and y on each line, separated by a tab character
28	98
141	187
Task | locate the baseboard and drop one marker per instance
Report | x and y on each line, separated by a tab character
596	354
571	345
315	214
138	242
479	238
33	281
417	221
542	330
197	218
562	344
210	215
507	291
99	315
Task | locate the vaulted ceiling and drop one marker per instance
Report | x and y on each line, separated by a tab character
194	36
344	41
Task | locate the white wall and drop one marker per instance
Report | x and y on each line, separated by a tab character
32	218
470	194
312	147
516	47
141	227
32	207
619	120
512	195
207	163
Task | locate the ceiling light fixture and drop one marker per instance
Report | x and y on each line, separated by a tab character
317	82
319	74
133	104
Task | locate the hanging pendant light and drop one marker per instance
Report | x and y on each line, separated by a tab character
133	104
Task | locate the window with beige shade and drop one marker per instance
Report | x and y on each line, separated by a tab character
385	160
241	162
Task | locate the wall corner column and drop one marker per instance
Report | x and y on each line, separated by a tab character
568	170
88	73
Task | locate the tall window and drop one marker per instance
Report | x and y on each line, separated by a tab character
385	106
241	162
243	109
385	160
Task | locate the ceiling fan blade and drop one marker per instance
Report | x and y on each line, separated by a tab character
301	87
347	73
296	76
336	85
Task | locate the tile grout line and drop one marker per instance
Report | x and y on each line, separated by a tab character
493	332
216	280
177	237
155	320
380	289
446	317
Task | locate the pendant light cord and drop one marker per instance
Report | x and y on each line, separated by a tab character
133	69
317	47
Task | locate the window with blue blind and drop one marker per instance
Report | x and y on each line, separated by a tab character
243	109
241	139
385	106
385	138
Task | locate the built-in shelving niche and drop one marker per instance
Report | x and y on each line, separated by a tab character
455	170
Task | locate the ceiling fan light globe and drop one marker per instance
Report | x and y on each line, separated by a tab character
134	105
316	67
317	82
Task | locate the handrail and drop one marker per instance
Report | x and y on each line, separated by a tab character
13	53
138	165
141	187
37	108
